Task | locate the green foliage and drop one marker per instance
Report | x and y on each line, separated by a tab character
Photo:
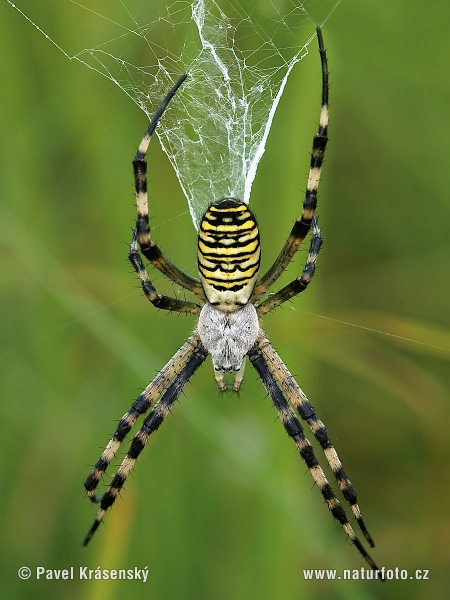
220	506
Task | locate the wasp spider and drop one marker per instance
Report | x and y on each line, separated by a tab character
228	324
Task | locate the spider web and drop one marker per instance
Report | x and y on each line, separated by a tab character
238	63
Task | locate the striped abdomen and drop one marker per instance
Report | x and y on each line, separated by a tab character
228	253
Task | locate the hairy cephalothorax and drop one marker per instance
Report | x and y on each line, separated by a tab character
228	336
231	304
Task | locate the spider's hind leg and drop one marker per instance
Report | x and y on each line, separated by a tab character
148	248
164	302
301	283
305	221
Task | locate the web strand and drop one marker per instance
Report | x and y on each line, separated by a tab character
372	330
238	64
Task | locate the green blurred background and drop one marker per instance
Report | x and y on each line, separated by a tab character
220	505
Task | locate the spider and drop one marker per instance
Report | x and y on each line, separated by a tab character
228	324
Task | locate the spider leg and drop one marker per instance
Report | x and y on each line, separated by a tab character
164	302
295	431
302	225
148	248
139	407
151	423
282	375
300	284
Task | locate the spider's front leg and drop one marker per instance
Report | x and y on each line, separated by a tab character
282	375
271	374
139	407
176	374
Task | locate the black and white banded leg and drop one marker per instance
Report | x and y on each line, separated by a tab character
302	225
300	284
286	381
295	432
151	423
139	407
164	302
148	248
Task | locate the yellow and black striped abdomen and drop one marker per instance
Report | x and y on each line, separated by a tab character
228	253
